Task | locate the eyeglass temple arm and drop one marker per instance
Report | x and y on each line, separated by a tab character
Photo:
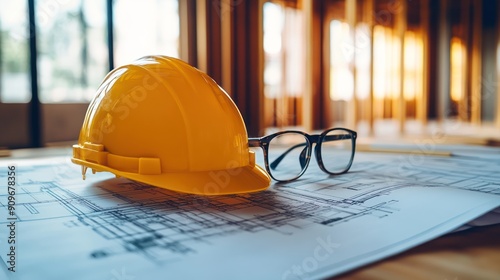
277	161
253	142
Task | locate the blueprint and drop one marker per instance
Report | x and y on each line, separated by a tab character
316	227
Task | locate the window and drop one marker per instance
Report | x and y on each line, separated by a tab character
284	64
14	63
72	49
54	54
142	28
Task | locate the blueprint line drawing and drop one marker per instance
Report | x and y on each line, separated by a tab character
159	224
110	220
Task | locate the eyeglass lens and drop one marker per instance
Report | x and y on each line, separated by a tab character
336	151
287	155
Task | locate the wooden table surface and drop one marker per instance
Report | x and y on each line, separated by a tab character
469	254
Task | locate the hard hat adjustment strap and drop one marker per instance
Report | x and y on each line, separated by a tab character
95	153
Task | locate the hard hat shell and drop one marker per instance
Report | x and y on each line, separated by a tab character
163	122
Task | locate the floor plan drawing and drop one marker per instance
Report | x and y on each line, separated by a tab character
150	220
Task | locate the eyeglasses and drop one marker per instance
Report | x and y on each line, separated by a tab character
287	153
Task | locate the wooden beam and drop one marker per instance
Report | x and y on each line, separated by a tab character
311	106
465	22
202	35
401	18
475	72
422	108
247	62
442	62
208	28
497	111
351	114
187	36
226	17
370	6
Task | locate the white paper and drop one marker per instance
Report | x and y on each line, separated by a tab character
316	227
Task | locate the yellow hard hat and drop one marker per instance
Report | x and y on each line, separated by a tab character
163	122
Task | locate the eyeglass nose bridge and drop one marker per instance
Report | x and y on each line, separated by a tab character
305	155
313	139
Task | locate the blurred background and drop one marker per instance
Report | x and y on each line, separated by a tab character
405	69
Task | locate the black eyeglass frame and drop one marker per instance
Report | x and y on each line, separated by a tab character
318	139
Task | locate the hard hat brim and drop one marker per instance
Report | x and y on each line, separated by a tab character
215	182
